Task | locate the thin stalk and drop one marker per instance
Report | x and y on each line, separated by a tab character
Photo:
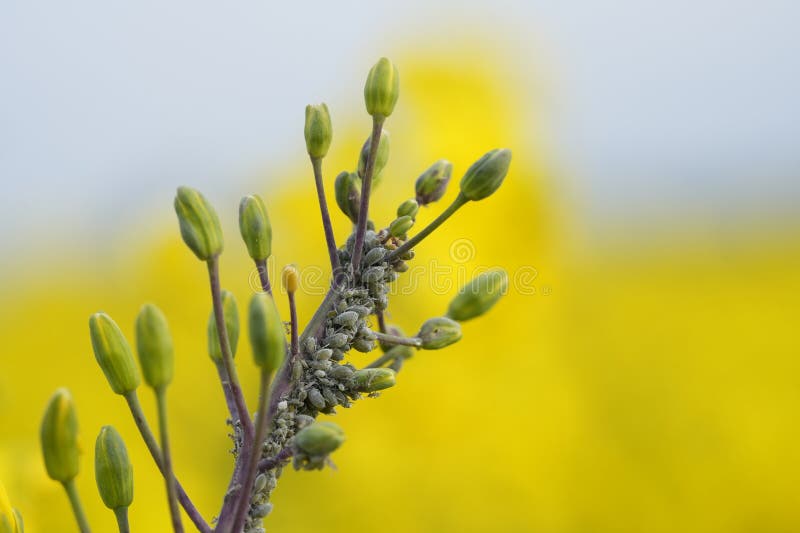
262	423
225	347
169	475
273	462
388	338
77	508
263	275
226	390
152	446
381	321
293	315
382	360
122	519
447	213
330	240
366	189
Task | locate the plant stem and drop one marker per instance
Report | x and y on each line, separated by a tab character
293	314
263	275
122	519
273	462
455	206
226	390
152	446
169	475
77	508
366	189
225	347
381	321
262	423
330	240
382	360
388	338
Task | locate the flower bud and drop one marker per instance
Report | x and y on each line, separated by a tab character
112	469
381	158
408	208
400	226
231	314
255	227
320	438
113	354
432	184
199	223
59	435
382	89
10	521
439	332
154	346
373	379
291	278
479	295
318	130
267	336
486	174
348	194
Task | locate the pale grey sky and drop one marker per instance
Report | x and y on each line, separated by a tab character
660	103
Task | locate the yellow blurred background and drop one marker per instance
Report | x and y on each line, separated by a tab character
634	379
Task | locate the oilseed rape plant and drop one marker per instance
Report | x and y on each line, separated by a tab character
303	373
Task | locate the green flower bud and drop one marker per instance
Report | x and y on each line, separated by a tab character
318	130
348	194
199	223
267	335
382	89
255	227
10	521
400	226
373	379
154	346
432	184
381	158
231	313
59	435
486	174
479	295
112	469
439	332
113	354
320	438
408	208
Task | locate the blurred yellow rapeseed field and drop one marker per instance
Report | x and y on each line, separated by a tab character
633	386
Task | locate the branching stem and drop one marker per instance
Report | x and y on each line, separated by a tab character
388	338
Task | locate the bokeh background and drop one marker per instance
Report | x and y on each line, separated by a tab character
642	374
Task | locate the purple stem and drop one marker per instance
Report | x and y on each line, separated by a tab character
366	188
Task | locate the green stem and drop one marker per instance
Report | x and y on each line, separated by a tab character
122	519
152	446
169	475
388	338
77	508
382	360
455	206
